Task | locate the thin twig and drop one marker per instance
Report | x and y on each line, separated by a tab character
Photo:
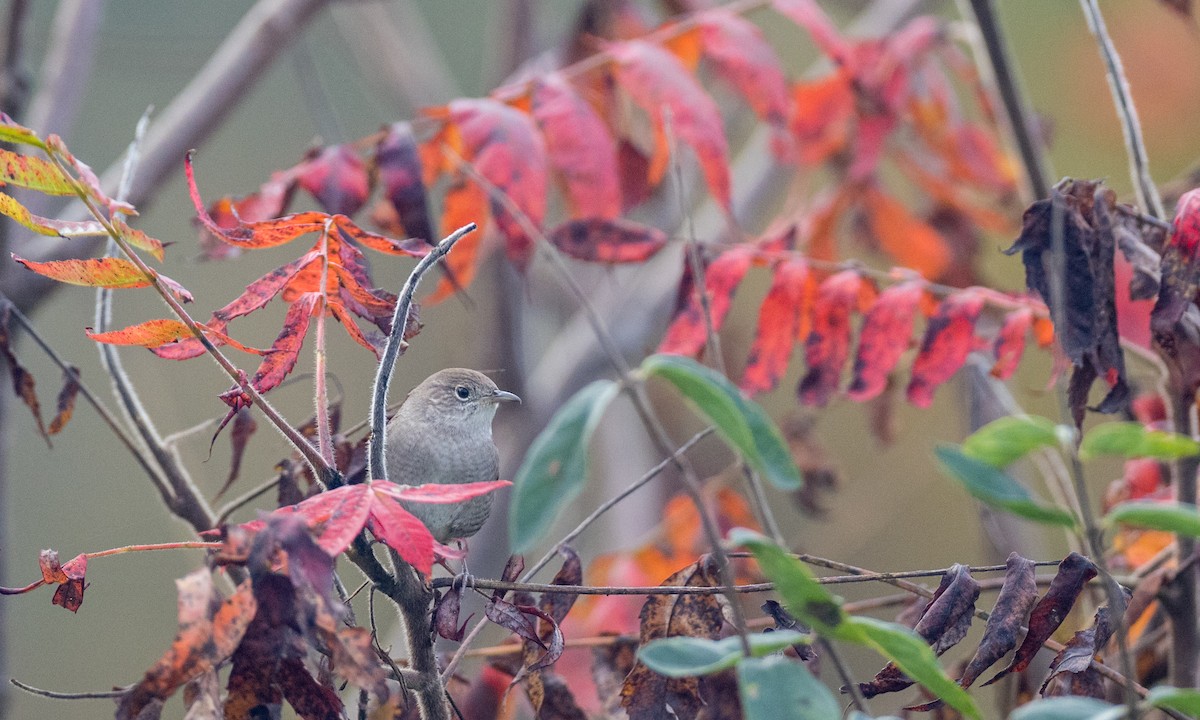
1135	145
244	499
376	468
54	695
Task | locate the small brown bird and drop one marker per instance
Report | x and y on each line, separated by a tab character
443	434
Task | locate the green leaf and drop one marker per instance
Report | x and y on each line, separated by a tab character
742	422
913	656
11	132
775	688
997	489
691	656
555	468
803	596
1067	708
1134	440
1002	442
1172	517
1180	699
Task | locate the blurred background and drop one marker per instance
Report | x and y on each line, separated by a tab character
352	72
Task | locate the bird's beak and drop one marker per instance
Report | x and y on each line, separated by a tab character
504	396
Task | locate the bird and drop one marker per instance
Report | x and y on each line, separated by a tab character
442	434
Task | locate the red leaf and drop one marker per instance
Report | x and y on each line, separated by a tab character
70	593
912	242
337	177
949	338
743	58
655	80
150	334
779	318
1010	342
399	166
107	272
886	333
828	345
438	493
821	114
686	334
412	247
505	147
580	148
401	531
286	348
89	179
613	240
464	202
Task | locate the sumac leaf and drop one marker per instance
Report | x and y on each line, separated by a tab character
608	240
1010	342
886	333
828	344
399	168
579	147
780	317
688	331
949	339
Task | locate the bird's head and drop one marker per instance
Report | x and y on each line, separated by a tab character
457	397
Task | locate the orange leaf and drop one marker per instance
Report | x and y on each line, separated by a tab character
286	348
779	319
65	405
656	80
608	240
828	345
886	333
463	203
580	148
949	339
687	332
910	241
1010	342
107	272
821	114
151	333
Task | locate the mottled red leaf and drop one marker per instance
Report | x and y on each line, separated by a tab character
411	247
1010	342
65	405
134	237
828	344
149	334
657	82
399	167
687	332
778	329
107	272
285	351
886	333
949	339
1073	573
579	147
912	242
337	177
614	240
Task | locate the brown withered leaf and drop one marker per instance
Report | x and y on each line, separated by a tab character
244	425
944	622
1076	656
557	605
445	615
70	578
202	697
646	694
1016	598
720	694
784	621
65	404
210	630
1089	338
22	380
610	665
558	702
1073	573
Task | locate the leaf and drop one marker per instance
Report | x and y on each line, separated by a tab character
828	345
1073	663
608	240
445	615
822	111
65	404
557	604
688	331
244	426
150	334
1179	518
886	333
993	487
742	422
1069	708
91	272
86	178
802	595
686	656
1182	699
1006	440
554	470
914	658
1010	342
1073	573
912	242
774	688
34	173
11	131
949	339
463	202
645	694
1135	440
659	84
18	212
780	318
1016	598
579	147
398	165
337	177
23	384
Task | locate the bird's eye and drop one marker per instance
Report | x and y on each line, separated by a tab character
462	392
